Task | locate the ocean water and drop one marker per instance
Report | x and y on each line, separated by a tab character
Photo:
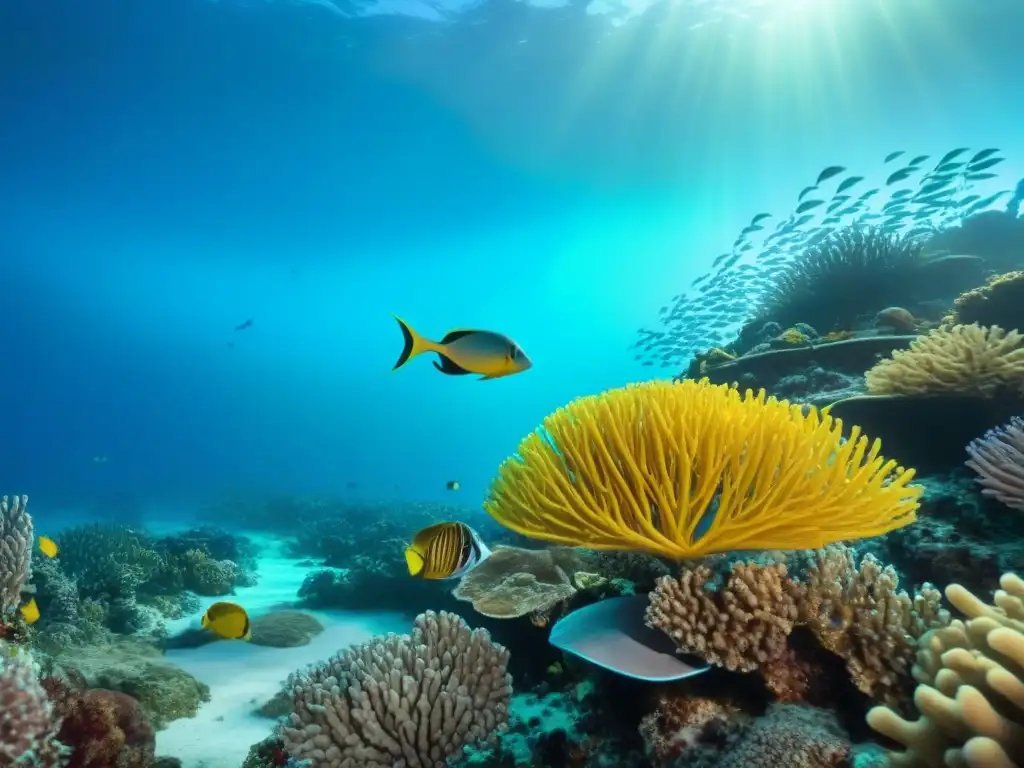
210	210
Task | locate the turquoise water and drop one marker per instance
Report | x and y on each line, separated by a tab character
552	171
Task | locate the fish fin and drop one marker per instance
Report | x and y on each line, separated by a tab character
491	376
447	365
414	560
205	621
247	630
412	344
454	336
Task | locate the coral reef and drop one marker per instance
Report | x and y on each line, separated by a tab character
855	610
408	701
591	477
971	696
1000	302
27	724
965	359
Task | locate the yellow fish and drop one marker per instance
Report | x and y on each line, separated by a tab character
48	546
228	620
489	354
30	611
445	551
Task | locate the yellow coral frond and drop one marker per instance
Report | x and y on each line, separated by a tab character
685	469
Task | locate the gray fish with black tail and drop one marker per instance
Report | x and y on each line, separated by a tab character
489	354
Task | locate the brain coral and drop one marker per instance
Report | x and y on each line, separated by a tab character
684	469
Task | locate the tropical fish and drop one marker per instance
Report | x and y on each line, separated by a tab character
228	620
242	326
892	156
490	354
445	551
828	173
452	485
30	611
48	546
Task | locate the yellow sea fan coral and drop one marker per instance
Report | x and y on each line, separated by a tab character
964	359
684	469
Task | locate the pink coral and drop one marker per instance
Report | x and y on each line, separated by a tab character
27	722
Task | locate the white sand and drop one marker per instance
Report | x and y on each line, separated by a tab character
243	676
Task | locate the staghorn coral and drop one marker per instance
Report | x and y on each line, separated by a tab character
965	359
740	627
401	701
683	469
971	695
15	551
999	302
998	460
27	723
859	613
515	582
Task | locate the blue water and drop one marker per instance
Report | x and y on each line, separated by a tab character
169	170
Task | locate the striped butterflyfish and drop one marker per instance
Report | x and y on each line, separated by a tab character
445	551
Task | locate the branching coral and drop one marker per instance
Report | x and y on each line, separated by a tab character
740	627
859	613
401	701
971	696
998	459
851	272
964	359
688	468
515	582
15	551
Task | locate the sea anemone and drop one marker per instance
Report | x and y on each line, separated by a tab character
850	273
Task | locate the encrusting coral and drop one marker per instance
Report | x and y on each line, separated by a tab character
998	459
971	696
514	582
999	302
401	701
683	469
965	359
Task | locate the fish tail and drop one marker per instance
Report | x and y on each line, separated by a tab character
413	344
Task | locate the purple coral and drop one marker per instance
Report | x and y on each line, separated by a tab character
998	459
